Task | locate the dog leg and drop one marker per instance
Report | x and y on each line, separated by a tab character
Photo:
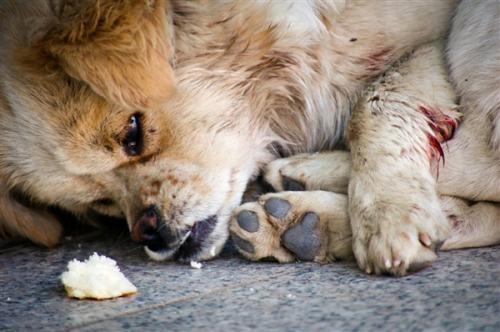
318	171
472	224
18	220
290	225
395	135
314	226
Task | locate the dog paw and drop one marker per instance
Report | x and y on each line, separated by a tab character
289	226
395	236
317	171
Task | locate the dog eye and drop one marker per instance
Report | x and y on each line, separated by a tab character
132	143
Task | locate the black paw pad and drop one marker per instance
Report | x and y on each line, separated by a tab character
242	244
248	221
302	238
277	207
290	184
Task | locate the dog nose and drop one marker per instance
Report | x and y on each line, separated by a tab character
152	231
145	229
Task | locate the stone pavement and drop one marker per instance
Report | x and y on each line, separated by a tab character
461	292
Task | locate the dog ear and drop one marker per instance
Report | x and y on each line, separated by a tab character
121	48
18	220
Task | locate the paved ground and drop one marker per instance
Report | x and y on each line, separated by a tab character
460	292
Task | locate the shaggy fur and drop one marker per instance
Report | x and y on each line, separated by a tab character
253	80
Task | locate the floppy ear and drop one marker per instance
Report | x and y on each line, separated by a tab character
121	48
18	220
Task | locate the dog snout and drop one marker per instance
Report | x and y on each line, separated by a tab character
152	231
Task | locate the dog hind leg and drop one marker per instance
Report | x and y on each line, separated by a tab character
17	219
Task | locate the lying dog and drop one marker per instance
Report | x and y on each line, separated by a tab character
253	81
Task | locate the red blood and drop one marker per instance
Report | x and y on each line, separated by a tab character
442	128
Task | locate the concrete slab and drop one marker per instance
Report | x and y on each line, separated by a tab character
460	292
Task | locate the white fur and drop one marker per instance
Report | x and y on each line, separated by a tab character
474	58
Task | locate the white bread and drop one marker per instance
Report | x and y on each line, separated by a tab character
96	278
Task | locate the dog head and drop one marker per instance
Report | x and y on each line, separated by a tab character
75	80
91	122
179	199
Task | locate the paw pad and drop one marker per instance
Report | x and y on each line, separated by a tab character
277	207
242	244
302	239
248	221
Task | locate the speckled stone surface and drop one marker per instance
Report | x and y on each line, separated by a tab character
461	292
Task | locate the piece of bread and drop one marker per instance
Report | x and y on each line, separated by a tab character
96	278
196	265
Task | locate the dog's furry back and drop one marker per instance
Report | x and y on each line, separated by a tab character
300	72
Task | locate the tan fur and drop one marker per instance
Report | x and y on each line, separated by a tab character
120	48
252	80
72	73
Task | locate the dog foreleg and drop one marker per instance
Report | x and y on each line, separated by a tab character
395	135
328	171
473	224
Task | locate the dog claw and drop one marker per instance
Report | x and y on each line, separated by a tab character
292	185
425	239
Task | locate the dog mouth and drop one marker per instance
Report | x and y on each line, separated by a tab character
189	245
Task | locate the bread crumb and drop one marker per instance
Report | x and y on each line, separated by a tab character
196	265
98	277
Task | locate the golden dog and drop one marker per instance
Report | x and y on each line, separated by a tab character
253	80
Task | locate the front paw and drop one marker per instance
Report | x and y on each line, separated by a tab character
395	234
292	225
327	171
